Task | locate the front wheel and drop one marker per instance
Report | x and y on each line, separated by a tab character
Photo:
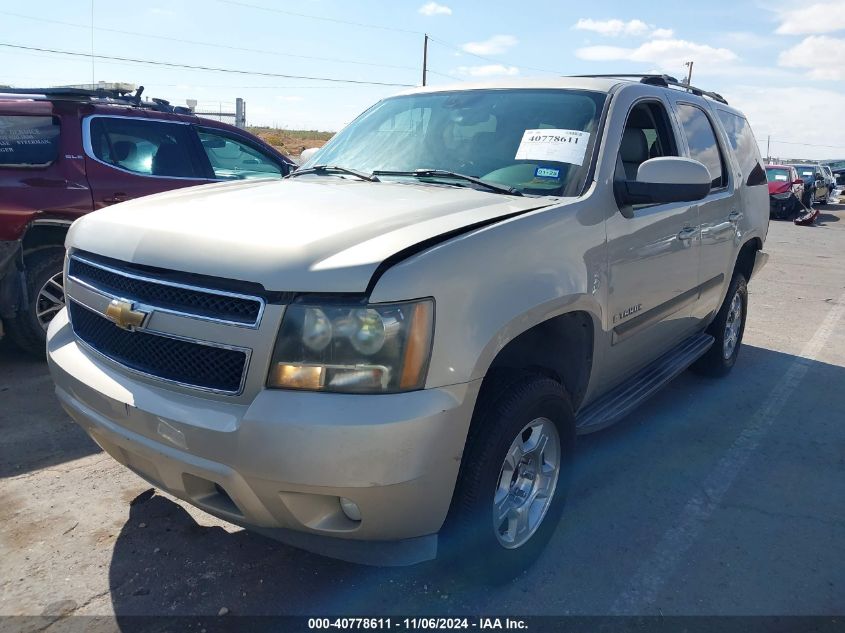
44	288
727	328
513	481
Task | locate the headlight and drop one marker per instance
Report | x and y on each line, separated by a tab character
353	347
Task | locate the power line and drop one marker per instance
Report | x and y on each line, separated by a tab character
234	71
237	3
774	140
203	43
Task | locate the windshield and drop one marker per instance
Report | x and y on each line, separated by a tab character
780	175
807	173
536	141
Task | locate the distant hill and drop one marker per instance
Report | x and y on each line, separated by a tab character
291	142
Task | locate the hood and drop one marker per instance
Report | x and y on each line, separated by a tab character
308	234
779	186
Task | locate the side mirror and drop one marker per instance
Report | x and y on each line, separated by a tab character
666	179
308	154
798	181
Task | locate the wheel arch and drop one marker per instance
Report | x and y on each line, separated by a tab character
42	234
747	255
561	348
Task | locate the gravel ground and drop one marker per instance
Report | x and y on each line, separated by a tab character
716	497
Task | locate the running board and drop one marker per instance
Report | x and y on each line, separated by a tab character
619	402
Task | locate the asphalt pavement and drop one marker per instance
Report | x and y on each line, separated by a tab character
717	497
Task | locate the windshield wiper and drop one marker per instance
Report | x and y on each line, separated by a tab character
443	173
327	169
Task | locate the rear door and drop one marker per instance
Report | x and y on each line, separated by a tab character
128	157
42	175
720	212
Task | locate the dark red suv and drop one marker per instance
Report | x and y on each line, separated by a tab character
66	152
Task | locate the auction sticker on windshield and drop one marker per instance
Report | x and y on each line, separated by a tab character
562	146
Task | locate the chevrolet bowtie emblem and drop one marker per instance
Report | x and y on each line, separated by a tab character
122	314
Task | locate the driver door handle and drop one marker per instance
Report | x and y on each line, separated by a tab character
117	197
687	233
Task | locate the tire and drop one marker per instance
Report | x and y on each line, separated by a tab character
517	412
28	328
727	331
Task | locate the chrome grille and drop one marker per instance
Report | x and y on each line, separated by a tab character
191	363
163	294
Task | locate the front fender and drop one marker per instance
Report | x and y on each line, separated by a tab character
496	282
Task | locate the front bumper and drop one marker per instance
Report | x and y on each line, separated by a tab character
781	205
279	464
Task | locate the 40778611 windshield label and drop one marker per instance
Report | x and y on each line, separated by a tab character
562	146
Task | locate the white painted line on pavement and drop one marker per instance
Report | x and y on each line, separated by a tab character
647	582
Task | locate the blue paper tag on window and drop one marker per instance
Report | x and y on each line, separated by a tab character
546	172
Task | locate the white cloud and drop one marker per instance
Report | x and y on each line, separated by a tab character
615	28
432	8
490	70
793	116
821	17
823	55
668	54
493	46
662	34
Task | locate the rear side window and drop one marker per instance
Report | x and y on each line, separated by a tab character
745	147
703	146
28	141
151	148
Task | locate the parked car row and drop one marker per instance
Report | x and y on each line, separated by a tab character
796	187
66	152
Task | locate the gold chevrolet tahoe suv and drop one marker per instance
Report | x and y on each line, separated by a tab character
387	356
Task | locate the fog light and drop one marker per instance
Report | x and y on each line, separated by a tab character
350	509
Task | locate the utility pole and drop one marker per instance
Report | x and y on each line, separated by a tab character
689	72
425	56
768	148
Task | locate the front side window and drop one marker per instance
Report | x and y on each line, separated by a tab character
151	148
647	134
701	139
232	159
536	141
28	141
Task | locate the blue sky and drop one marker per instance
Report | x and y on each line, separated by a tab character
783	63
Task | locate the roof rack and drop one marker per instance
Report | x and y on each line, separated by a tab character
665	81
114	96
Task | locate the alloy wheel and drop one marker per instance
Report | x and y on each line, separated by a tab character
51	299
527	481
732	327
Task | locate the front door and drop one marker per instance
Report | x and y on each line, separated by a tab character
653	253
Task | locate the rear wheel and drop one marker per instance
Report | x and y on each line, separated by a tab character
45	291
727	328
513	481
